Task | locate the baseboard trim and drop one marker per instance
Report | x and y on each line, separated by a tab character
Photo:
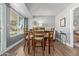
7	49
64	42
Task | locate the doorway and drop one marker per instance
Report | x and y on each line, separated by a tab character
76	27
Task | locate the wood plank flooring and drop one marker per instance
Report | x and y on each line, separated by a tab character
60	50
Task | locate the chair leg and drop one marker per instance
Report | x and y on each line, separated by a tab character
53	46
33	46
43	47
24	44
28	48
34	51
44	44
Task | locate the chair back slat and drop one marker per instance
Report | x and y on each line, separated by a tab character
38	33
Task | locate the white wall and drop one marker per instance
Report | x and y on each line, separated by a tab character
50	21
68	13
65	13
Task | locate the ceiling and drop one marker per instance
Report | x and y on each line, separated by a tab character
21	8
46	9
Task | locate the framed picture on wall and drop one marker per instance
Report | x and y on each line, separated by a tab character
63	22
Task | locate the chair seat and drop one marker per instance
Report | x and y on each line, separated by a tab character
38	38
38	34
46	35
39	30
30	36
51	35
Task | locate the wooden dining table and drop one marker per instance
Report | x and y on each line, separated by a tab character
48	40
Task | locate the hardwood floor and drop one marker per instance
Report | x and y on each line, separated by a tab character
60	50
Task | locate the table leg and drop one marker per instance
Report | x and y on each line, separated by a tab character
28	43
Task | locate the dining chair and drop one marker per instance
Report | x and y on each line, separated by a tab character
27	38
25	35
52	40
38	37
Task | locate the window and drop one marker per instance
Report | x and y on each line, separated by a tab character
13	22
16	23
20	24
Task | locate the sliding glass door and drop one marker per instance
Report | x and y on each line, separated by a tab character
2	28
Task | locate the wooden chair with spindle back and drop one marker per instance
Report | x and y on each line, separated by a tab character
38	36
25	35
52	37
28	36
